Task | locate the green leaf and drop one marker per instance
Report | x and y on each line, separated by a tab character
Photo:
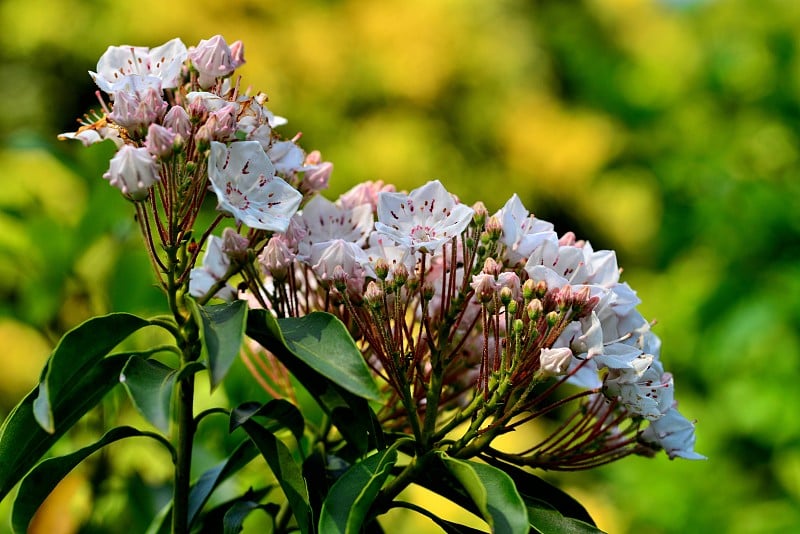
547	520
38	484
23	442
205	485
350	413
533	490
221	333
493	492
149	384
347	506
234	518
286	471
281	412
322	341
76	353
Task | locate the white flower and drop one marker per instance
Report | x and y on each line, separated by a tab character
286	156
522	232
89	134
675	434
348	257
423	220
163	62
215	266
649	394
244	181
133	171
325	221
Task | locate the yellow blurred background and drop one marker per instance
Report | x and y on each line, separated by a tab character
667	130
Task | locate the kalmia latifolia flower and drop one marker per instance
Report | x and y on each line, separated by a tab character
475	322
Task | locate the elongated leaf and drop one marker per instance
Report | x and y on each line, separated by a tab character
286	471
234	518
534	490
347	506
221	333
78	351
149	384
493	492
213	521
211	479
23	442
323	342
38	484
547	520
282	413
350	413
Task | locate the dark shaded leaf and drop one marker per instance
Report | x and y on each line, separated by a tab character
149	384
38	484
349	500
23	441
236	514
221	333
76	353
202	489
283	413
286	471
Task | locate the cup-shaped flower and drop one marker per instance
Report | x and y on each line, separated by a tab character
163	62
244	181
213	58
133	171
424	219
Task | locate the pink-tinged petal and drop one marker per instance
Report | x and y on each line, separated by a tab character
163	62
244	181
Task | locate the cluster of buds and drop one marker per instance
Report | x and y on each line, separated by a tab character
475	323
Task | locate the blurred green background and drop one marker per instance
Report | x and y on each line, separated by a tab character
667	130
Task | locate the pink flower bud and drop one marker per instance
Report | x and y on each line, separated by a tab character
160	141
234	245
213	59
133	171
136	110
178	121
276	259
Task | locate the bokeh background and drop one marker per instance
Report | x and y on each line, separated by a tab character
667	130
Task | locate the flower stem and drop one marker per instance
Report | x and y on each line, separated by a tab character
185	425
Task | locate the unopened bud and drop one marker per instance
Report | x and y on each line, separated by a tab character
491	267
554	362
528	289
518	326
494	228
340	279
480	213
512	307
534	309
381	269
428	291
552	318
400	275
373	295
505	296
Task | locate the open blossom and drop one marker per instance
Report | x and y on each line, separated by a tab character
163	62
325	221
522	233
133	171
213	58
423	220
244	181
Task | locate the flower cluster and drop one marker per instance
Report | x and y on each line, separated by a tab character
480	320
476	323
182	126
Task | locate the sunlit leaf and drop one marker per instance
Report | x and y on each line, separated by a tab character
493	493
547	520
350	498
